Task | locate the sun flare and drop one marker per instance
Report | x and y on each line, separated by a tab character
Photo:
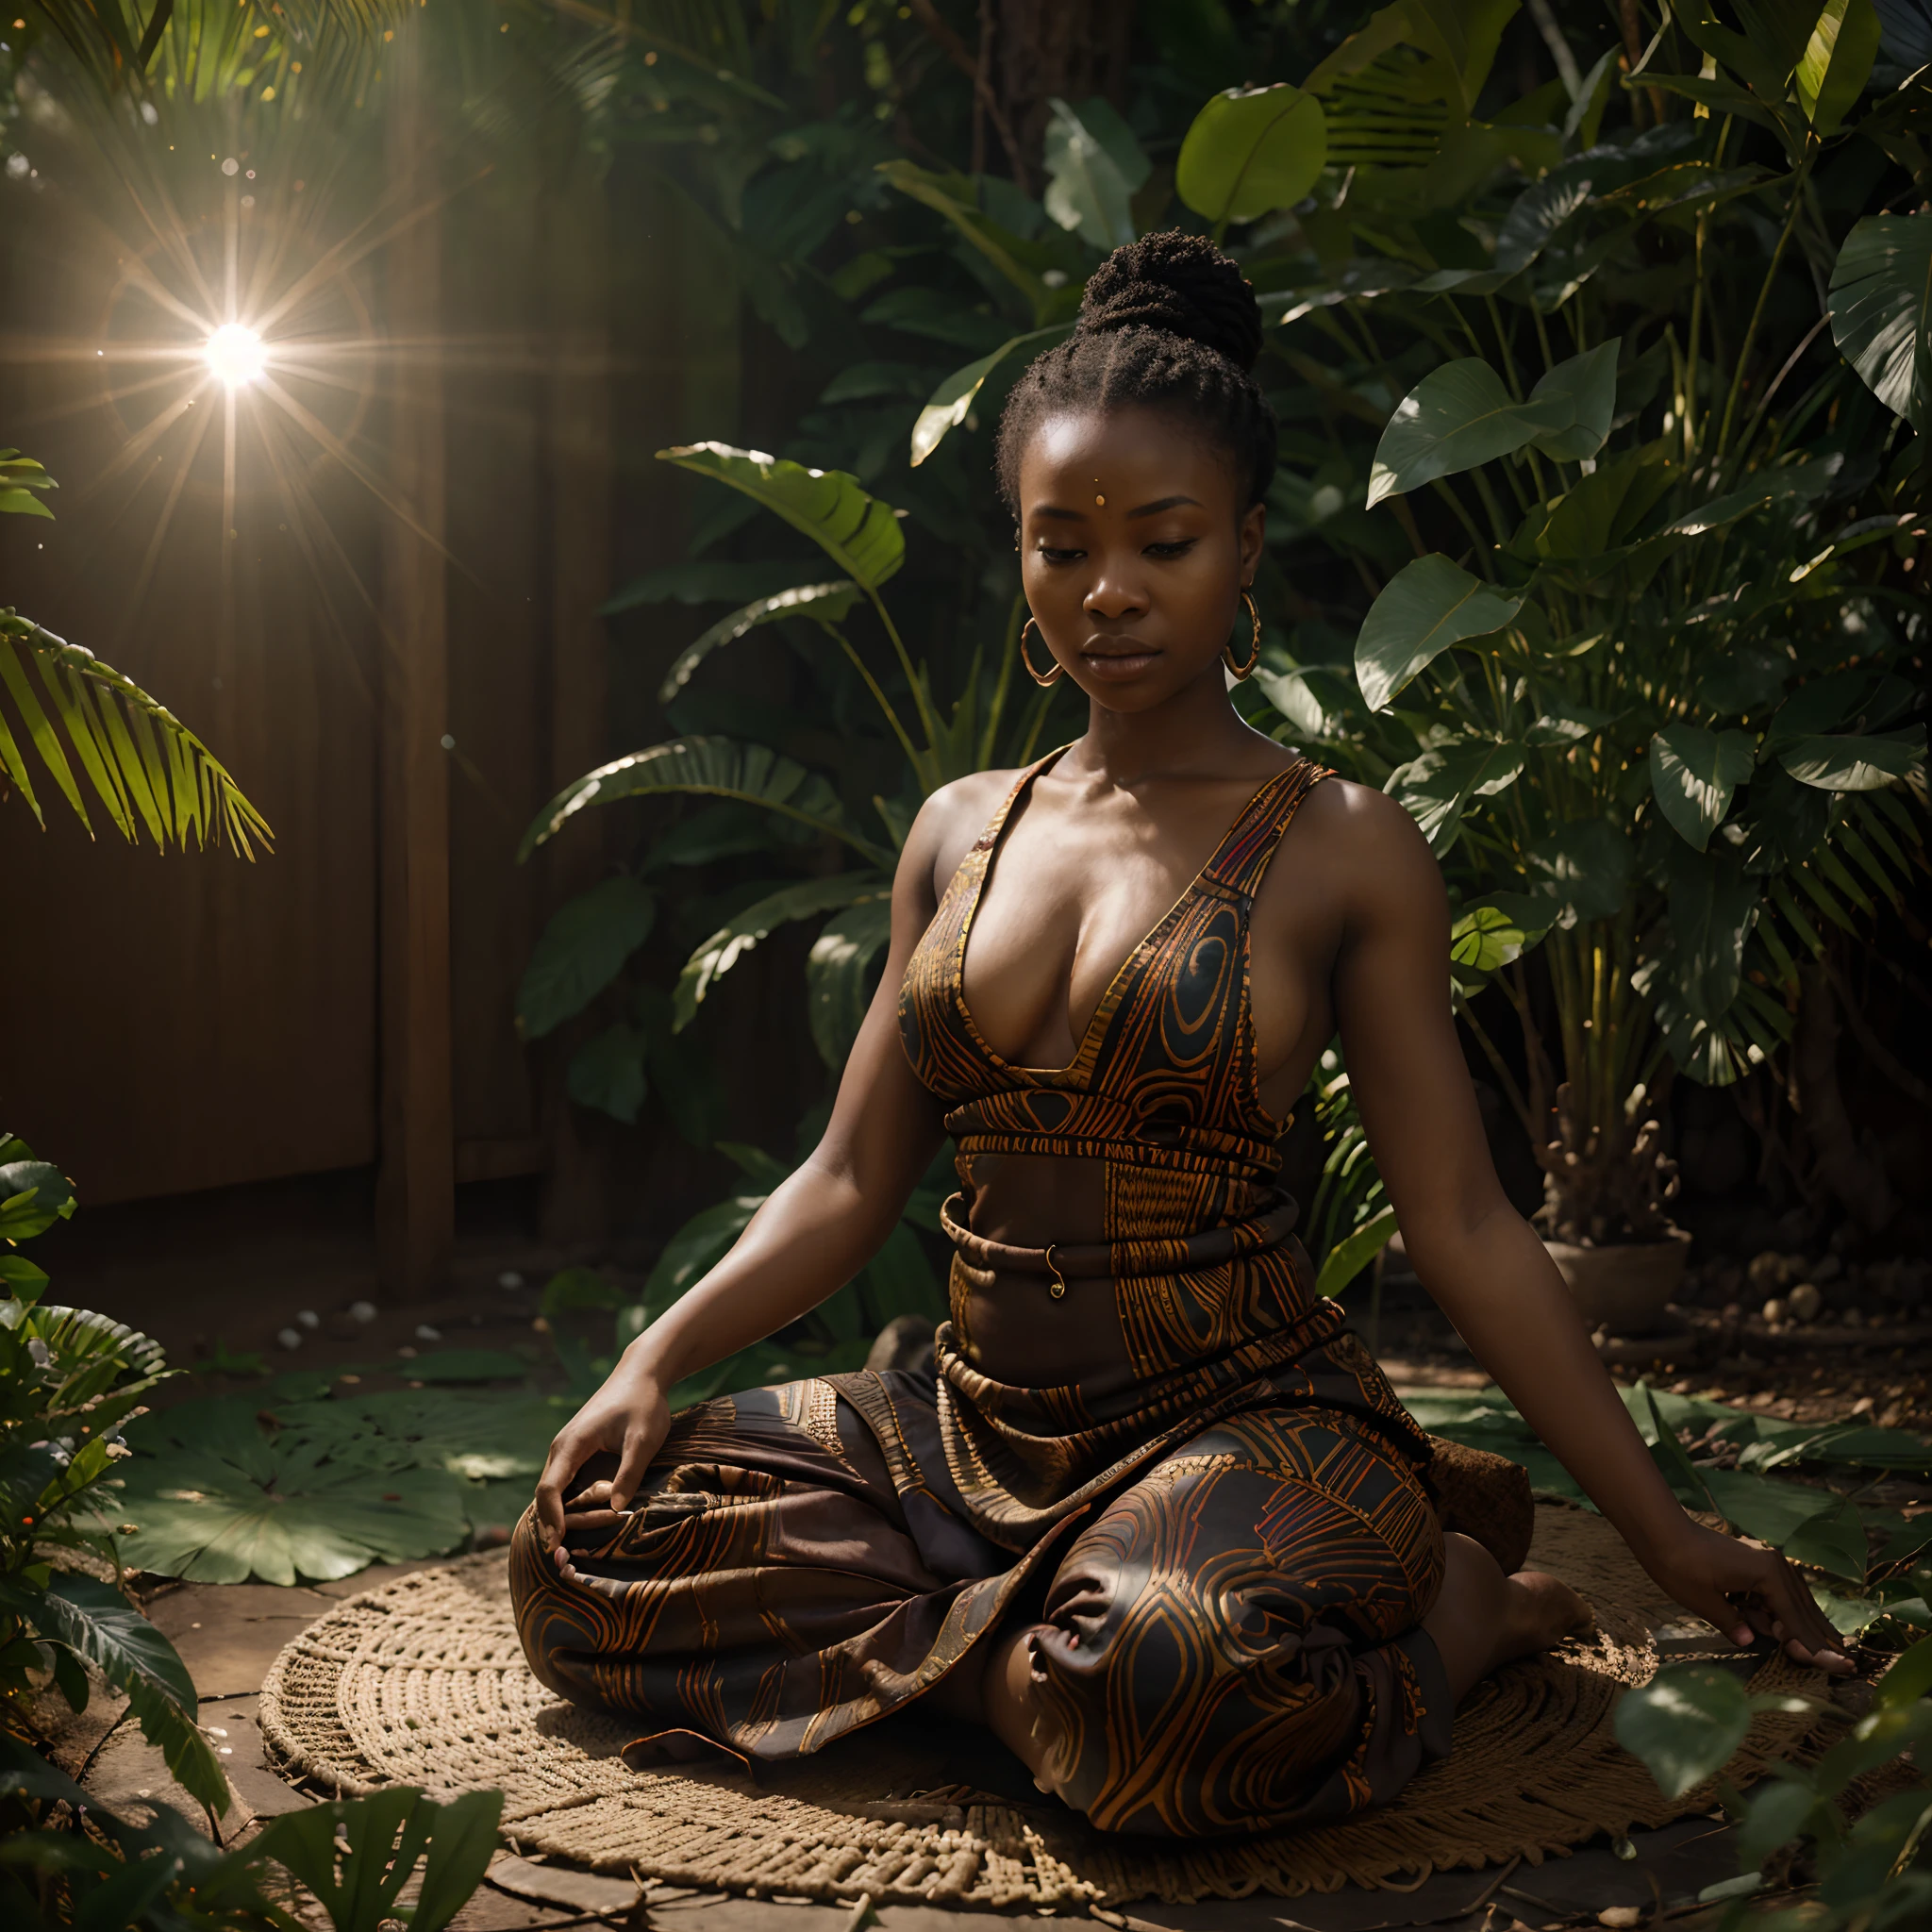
236	355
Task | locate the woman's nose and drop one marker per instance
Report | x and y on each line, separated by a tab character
1114	595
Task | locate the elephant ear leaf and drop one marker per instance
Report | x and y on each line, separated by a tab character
1456	417
582	950
857	532
1585	387
1693	775
1880	303
1428	606
951	402
1250	151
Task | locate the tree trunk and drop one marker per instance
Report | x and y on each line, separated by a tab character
1847	1169
1072	48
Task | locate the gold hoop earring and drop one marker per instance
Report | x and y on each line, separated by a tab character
1059	670
1240	671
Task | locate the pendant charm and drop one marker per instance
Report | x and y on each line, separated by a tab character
1058	1288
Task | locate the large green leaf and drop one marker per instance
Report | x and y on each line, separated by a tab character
1250	151
952	402
95	1621
1713	902
837	975
33	1194
1861	763
1087	191
357	1857
20	476
143	765
1686	1724
1355	1251
1836	62
1880	304
824	603
1584	866
857	532
1424	607
218	1498
1693	775
807	899
1584	389
608	1071
1456	417
697	1247
721	767
1436	787
582	950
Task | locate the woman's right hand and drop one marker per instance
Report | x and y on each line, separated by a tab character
627	1419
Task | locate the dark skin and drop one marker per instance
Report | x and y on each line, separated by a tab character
1136	597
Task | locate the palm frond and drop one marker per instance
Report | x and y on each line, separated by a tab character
143	766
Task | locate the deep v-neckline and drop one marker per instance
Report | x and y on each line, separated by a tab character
1107	998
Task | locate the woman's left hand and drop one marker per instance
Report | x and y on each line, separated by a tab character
1747	1590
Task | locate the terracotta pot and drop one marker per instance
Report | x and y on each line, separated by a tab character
1625	1286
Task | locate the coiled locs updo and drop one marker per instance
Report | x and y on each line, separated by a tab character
1166	323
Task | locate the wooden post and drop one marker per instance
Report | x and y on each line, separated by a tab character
415	1208
578	433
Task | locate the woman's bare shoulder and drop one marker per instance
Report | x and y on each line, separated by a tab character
1363	837
952	819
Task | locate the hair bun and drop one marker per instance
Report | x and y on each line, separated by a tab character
1180	284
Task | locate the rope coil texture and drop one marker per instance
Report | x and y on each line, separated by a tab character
422	1682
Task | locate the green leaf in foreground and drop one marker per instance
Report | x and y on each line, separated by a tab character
1424	607
95	1621
1686	1724
838	974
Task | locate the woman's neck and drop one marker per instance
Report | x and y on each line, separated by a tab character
1196	731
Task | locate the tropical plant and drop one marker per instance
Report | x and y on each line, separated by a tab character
1871	1564
69	1382
1801	1825
352	1856
140	761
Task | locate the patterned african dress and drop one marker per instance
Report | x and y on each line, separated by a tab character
1220	1536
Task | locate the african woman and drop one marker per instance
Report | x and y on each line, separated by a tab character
1154	1515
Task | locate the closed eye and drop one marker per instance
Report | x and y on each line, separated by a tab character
1053	556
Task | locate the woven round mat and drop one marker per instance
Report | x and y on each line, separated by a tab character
422	1682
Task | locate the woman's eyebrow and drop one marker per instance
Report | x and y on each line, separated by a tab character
1059	515
1148	509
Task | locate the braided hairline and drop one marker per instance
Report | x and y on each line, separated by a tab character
1146	368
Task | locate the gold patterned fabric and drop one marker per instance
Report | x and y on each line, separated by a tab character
1220	1533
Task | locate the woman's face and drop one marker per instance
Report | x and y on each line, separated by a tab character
1135	546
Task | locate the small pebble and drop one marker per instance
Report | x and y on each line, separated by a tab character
426	1333
407	1354
1774	1312
290	1337
509	1278
1620	1918
307	1318
1804	1302
361	1311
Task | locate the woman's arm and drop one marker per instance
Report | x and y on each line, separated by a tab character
818	1229
1482	1262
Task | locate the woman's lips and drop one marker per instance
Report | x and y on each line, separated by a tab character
1119	659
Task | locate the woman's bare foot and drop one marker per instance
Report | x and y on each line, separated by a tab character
1539	1612
1482	1620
